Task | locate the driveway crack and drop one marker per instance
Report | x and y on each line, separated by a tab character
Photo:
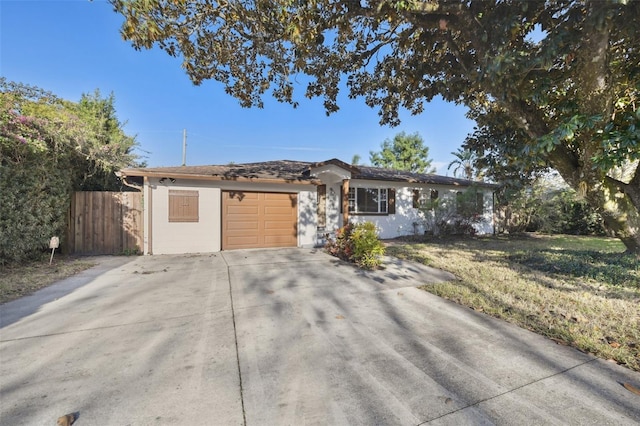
235	335
102	327
509	391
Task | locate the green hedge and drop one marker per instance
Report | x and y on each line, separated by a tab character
48	148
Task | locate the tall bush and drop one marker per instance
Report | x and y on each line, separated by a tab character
48	148
549	206
33	207
563	212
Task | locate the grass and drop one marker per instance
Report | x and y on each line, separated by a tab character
580	291
21	280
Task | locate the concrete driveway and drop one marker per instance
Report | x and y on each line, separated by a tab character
285	337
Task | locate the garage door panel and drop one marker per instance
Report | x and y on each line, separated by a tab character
245	234
242	226
249	210
256	220
244	219
243	241
243	195
276	241
242	210
277	195
285	205
278	210
281	225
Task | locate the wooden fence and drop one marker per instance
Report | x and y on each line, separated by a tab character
105	223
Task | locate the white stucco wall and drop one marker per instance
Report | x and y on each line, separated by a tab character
163	237
408	220
204	236
185	237
334	217
487	225
307	217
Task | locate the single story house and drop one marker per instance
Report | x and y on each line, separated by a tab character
191	209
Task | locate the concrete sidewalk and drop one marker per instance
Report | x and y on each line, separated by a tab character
290	336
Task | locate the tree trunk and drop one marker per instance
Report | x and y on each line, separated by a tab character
617	202
620	215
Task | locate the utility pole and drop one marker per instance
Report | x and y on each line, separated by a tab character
184	147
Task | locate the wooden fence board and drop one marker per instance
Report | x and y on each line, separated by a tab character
105	223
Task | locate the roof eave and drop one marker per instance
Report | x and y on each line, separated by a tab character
426	181
201	177
338	163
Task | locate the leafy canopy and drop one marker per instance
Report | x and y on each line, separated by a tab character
530	61
563	74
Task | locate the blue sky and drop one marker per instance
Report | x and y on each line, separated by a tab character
73	47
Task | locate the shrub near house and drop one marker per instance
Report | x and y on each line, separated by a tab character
357	243
452	216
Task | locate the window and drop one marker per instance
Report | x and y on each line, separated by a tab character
371	200
183	206
470	202
420	199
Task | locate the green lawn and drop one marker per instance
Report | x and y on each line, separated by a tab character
581	291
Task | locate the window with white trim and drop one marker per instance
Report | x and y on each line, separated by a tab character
369	200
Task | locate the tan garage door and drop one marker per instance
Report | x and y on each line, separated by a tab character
259	219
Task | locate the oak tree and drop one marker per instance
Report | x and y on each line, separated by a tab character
564	73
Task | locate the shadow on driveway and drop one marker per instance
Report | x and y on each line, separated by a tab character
321	341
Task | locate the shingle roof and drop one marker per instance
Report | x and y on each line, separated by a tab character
276	170
377	173
297	171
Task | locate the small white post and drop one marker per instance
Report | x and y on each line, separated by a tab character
54	243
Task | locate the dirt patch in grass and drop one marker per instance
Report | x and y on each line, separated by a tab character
21	280
580	291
